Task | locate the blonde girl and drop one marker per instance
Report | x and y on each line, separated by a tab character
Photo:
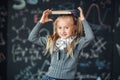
64	45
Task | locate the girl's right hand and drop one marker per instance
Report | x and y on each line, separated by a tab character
45	15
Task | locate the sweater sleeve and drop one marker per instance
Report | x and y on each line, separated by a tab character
34	35
84	41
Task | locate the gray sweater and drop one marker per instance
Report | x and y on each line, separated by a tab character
65	67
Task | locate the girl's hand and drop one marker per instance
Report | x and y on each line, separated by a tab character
44	17
81	14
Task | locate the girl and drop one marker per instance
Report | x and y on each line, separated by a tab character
64	44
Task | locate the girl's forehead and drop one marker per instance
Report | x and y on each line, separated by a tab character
63	22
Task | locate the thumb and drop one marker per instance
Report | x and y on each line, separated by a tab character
50	19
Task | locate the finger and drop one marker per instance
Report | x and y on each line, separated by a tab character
48	12
50	19
80	9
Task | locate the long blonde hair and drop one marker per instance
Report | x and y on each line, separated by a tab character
52	38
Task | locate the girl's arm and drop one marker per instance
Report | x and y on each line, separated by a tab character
87	29
34	35
89	36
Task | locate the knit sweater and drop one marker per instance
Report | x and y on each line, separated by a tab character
65	67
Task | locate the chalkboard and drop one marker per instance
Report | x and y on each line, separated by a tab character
26	60
3	40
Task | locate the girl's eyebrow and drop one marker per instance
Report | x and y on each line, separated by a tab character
58	26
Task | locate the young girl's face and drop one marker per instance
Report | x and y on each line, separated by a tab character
65	27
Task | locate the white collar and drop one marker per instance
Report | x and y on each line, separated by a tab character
63	43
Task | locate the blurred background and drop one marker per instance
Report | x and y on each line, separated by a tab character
22	60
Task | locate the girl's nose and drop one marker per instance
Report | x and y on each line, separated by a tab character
63	30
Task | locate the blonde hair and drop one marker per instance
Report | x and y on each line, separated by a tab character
52	38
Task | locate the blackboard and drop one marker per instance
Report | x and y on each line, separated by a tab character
26	60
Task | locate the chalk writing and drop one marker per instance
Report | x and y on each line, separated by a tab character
2	57
118	49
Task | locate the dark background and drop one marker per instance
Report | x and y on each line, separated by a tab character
22	60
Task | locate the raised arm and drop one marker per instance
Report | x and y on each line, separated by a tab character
89	36
34	35
88	31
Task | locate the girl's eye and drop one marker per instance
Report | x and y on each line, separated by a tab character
66	27
59	27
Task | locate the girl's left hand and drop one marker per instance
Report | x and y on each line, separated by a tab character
81	14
